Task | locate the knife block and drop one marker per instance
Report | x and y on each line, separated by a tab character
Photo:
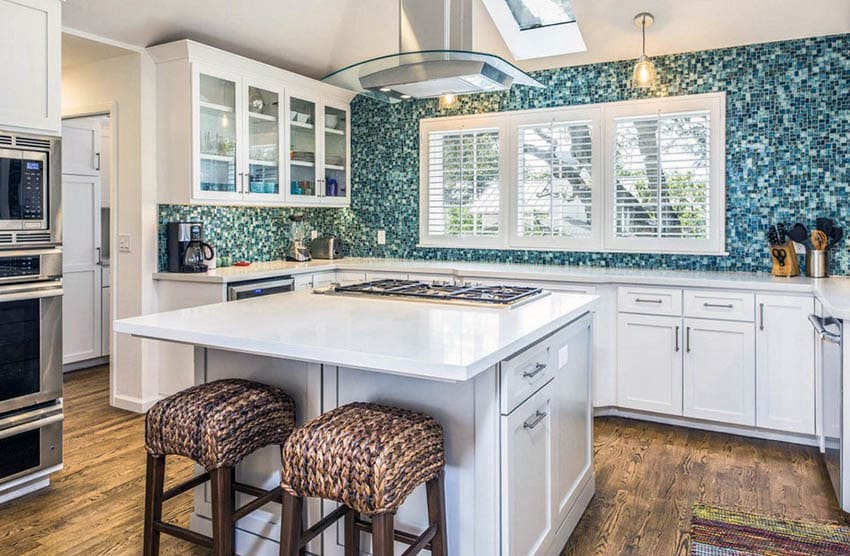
792	263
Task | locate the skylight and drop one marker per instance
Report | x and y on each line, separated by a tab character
533	14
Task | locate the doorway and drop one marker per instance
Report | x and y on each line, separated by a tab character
86	187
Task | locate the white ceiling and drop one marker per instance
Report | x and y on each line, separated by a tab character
319	36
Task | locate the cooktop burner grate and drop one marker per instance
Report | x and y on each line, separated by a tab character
499	295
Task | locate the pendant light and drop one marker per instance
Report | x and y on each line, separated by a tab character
644	73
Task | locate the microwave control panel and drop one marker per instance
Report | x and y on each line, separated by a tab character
32	190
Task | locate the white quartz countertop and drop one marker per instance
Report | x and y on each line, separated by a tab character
437	341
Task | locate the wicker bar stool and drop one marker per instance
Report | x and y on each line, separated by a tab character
369	458
215	424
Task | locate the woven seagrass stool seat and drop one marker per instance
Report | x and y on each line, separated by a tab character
369	458
215	424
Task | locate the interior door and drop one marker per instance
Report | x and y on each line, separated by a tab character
720	371
81	199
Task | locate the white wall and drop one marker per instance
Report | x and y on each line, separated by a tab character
128	84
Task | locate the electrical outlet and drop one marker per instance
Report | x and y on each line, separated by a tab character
799	248
124	243
382	237
314	234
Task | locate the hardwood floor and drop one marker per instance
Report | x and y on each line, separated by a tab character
648	476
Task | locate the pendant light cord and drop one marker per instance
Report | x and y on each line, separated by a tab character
399	25
642	28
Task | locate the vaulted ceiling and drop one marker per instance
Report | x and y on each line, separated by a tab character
319	36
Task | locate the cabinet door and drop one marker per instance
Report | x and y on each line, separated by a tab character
719	371
81	147
263	111
335	151
303	115
81	304
31	58
527	476
571	355
785	359
218	147
649	363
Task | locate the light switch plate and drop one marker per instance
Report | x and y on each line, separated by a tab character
799	248
314	234
382	237
124	243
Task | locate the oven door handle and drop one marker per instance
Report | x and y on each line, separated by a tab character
52	288
820	324
30	425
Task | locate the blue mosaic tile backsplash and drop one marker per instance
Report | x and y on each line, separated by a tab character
787	157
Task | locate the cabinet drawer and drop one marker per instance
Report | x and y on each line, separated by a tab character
720	305
650	301
303	281
523	374
350	276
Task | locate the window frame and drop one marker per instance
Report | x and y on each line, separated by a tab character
603	141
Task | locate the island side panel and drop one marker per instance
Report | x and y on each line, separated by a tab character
468	412
257	533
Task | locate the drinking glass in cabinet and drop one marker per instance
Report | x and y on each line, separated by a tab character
336	147
263	141
302	148
218	134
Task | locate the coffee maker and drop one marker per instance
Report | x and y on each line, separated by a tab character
185	247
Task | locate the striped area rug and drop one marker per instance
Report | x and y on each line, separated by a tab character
724	532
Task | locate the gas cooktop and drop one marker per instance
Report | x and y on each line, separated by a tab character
501	296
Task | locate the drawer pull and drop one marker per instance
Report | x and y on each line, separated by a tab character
639	300
534	420
719	305
538	368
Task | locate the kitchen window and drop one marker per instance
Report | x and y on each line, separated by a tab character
635	176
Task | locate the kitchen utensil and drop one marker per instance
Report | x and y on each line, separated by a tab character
837	234
817	264
819	240
825	225
780	256
780	229
241	263
799	233
773	236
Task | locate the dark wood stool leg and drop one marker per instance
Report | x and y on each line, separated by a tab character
382	534
223	528
290	524
154	485
352	533
437	514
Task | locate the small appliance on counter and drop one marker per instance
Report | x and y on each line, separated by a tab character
298	250
186	250
326	248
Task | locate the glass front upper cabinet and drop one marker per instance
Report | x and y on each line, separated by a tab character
263	174
217	139
336	152
302	148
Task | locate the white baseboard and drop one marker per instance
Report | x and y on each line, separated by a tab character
131	403
751	432
88	363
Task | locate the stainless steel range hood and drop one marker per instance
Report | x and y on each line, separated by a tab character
425	73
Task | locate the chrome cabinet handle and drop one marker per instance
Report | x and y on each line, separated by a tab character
688	339
538	368
761	316
534	420
820	325
99	256
677	337
639	300
719	305
30	426
97	164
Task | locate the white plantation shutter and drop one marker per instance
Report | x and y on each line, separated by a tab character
554	179
662	176
463	183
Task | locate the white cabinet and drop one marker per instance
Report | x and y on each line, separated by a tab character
649	363
235	131
527	476
31	58
719	371
785	374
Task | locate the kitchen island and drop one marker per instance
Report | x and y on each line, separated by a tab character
511	387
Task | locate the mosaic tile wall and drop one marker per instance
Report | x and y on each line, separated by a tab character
787	157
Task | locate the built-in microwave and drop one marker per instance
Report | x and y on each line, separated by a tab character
30	190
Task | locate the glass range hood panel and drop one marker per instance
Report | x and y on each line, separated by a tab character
533	14
429	74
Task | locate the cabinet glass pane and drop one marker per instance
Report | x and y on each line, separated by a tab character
302	148
263	141
336	147
218	134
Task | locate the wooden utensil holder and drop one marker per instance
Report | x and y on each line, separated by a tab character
792	263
